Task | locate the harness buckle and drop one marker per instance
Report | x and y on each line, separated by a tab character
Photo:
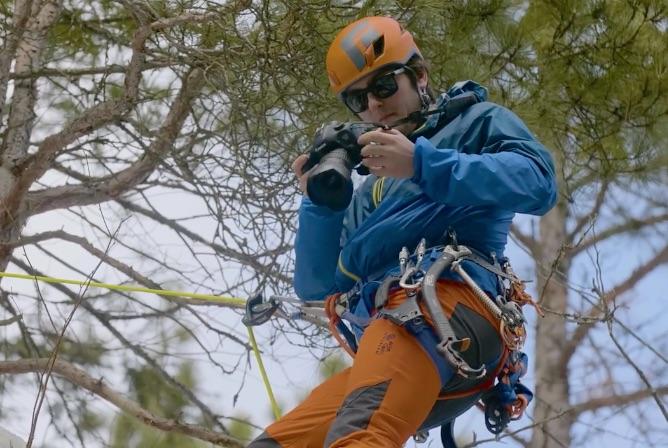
406	312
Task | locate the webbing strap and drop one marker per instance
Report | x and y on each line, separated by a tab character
495	269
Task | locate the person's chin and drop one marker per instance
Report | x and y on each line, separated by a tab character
405	128
388	119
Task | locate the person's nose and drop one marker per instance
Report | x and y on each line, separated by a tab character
374	103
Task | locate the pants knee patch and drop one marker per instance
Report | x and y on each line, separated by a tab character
356	411
264	440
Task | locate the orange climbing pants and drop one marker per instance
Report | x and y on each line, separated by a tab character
384	397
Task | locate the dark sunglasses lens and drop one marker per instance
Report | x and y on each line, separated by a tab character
357	101
382	87
385	86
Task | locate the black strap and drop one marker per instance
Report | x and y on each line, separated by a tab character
450	109
447	435
495	269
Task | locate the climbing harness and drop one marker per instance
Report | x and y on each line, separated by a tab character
503	398
502	402
412	279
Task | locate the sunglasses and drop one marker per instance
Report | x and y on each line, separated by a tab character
383	86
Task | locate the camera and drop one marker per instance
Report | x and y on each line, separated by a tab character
336	152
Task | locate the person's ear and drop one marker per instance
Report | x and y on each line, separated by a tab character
422	80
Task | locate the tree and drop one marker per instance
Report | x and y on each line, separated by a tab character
150	143
590	79
110	105
607	63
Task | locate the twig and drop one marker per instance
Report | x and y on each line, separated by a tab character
11	320
41	395
79	377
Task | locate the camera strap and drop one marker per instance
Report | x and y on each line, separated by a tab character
450	109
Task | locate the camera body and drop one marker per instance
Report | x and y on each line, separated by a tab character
336	152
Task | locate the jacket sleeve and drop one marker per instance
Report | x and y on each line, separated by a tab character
317	247
499	163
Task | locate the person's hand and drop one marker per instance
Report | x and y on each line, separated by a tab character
387	152
297	167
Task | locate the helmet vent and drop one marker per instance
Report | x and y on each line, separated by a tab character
379	46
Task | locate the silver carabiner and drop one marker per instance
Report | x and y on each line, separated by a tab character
403	282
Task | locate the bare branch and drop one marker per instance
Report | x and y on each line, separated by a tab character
122	267
631	225
11	320
597	312
614	400
241	257
650	389
44	379
526	240
80	378
33	167
94	191
586	218
79	72
195	17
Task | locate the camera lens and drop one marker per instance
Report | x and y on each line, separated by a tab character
329	183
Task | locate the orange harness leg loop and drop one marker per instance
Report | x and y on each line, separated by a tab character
333	310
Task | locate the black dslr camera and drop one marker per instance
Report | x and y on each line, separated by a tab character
336	152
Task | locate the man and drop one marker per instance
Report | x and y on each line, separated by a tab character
437	172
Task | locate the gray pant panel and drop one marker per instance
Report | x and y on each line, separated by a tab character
356	411
264	440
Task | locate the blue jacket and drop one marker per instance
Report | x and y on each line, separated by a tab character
471	175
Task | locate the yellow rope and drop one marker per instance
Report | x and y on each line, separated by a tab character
265	378
166	292
129	288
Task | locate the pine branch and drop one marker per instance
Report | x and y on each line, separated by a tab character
95	191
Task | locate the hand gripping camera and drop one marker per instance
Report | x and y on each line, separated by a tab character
336	152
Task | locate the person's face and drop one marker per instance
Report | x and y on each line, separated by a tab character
386	96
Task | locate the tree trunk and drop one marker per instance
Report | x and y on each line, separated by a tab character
27	53
552	388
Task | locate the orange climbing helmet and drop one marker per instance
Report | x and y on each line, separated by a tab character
364	46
